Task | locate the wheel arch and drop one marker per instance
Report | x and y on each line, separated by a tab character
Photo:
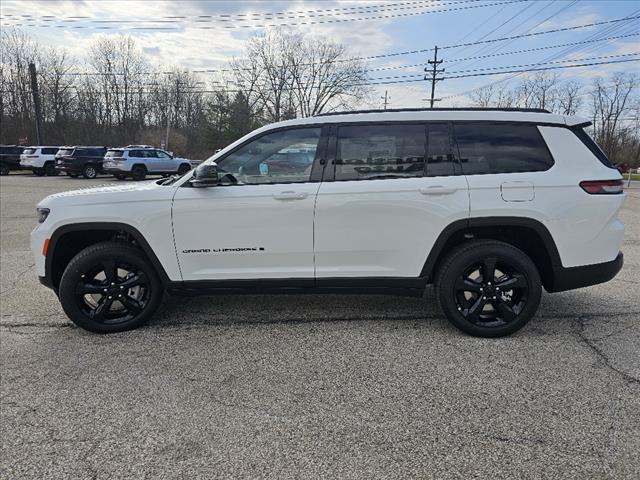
527	234
67	240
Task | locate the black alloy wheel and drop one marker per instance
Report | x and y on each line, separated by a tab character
488	288
138	172
109	287
50	169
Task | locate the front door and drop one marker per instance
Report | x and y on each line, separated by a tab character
395	188
258	222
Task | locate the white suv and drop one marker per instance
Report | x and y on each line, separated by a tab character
489	205
138	161
40	160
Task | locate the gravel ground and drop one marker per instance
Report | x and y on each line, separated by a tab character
314	386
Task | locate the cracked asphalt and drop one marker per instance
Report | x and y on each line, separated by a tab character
314	386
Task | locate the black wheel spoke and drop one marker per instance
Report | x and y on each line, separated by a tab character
467	285
476	309
101	310
505	311
110	270
133	281
85	288
131	304
516	280
488	269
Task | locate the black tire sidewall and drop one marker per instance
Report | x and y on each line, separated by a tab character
138	172
91	256
460	259
4	169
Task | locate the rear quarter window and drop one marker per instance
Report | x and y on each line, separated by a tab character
30	151
486	148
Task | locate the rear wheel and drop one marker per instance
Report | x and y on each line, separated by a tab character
72	175
4	169
50	169
184	168
138	172
38	171
120	176
109	287
90	171
488	288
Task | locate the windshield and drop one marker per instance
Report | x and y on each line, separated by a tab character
29	151
64	151
114	153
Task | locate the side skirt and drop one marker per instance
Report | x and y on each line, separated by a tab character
413	287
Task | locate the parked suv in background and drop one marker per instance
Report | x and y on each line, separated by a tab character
40	160
9	158
489	205
80	160
139	162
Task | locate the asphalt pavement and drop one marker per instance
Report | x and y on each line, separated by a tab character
314	386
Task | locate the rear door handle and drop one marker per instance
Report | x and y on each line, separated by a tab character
438	190
289	195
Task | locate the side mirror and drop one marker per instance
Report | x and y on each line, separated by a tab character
205	175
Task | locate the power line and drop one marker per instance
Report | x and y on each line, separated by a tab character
315	22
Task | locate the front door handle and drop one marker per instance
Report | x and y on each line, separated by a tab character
289	195
438	190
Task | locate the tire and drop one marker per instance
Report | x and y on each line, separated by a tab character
38	171
120	176
184	168
4	169
498	306
133	289
50	169
138	172
72	175
90	171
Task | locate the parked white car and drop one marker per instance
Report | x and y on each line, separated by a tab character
490	206
40	160
139	161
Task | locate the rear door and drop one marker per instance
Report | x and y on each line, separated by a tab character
390	191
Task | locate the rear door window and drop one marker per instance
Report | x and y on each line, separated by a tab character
440	158
501	148
366	152
49	151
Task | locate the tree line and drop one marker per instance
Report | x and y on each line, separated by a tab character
117	96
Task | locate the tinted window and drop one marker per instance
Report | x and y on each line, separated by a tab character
380	151
280	157
98	152
501	148
440	160
65	151
114	153
49	151
135	153
150	153
162	154
82	152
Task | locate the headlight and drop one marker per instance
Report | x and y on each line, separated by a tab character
43	213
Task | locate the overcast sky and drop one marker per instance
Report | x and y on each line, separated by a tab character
207	34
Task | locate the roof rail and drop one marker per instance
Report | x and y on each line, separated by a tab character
452	109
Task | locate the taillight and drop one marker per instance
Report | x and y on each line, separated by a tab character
602	187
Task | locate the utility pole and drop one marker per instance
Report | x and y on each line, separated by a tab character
36	104
386	99
433	72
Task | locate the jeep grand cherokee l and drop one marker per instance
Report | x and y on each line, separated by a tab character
80	160
489	205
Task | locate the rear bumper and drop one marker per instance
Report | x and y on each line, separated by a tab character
585	275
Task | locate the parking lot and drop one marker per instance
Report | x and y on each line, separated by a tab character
314	386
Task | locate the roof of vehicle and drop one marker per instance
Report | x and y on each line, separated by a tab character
440	114
139	146
43	146
81	146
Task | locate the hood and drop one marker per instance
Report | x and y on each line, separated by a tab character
129	192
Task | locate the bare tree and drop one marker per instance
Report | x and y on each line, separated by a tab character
569	98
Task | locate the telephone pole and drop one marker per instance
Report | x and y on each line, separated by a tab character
36	104
433	72
386	99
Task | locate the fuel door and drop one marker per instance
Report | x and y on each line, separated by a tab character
517	191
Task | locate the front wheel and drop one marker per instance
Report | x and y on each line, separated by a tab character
50	169
109	287
488	288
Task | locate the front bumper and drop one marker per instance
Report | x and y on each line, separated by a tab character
585	275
